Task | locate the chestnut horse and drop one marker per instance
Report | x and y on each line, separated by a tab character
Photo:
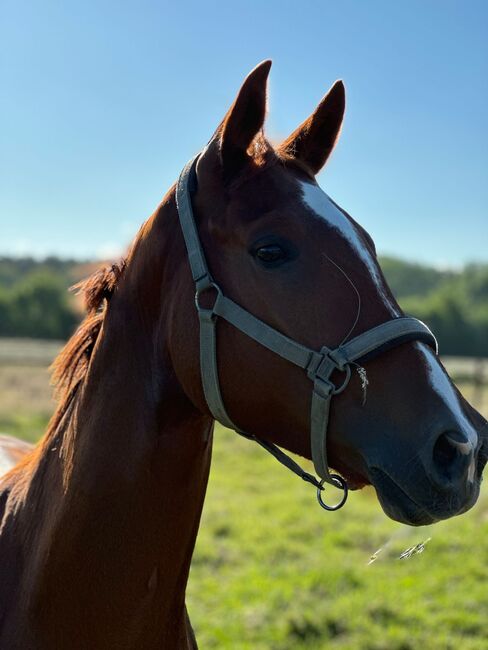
99	522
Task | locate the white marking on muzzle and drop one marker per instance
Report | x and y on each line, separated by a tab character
441	384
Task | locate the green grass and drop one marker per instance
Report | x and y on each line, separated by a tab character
274	571
28	427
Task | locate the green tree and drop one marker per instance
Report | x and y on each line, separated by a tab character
446	314
39	308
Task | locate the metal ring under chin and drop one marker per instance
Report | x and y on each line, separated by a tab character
341	484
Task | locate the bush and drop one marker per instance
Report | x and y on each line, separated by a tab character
37	307
34	300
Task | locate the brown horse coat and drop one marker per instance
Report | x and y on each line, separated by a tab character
100	519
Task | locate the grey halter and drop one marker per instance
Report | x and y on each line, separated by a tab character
319	365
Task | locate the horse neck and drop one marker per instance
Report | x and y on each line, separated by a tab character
131	471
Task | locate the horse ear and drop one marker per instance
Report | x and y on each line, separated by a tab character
313	141
244	119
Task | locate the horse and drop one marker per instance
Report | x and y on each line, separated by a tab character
99	520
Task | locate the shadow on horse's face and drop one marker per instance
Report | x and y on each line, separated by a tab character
283	250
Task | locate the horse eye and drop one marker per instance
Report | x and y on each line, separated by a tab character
270	254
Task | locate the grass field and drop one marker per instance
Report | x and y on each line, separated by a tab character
274	572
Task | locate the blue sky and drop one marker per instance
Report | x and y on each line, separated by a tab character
103	102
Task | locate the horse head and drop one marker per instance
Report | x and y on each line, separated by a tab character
288	254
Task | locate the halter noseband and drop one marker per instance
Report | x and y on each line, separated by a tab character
319	366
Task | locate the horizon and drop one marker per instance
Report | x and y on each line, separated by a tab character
40	259
104	104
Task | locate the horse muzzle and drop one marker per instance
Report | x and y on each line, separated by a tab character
445	481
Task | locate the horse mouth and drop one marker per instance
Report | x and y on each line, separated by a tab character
396	503
402	507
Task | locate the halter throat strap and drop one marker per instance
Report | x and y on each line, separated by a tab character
319	365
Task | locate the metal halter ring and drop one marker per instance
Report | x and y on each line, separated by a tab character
341	483
338	390
211	286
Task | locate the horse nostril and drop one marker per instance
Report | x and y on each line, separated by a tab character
452	454
459	442
444	452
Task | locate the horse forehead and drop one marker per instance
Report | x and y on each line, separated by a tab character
317	201
322	206
266	190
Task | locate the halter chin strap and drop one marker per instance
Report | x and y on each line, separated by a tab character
319	365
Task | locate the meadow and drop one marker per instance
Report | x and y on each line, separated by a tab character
272	571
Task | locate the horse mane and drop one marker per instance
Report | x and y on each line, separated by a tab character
70	366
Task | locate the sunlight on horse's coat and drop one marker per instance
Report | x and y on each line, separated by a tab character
321	205
97	538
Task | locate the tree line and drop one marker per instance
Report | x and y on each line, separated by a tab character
35	303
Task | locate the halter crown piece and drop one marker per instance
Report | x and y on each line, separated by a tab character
319	365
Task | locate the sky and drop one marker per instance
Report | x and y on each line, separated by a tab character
102	103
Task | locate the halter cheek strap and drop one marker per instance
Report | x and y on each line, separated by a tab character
319	365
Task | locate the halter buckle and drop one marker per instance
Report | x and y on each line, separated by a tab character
338	389
323	371
207	286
